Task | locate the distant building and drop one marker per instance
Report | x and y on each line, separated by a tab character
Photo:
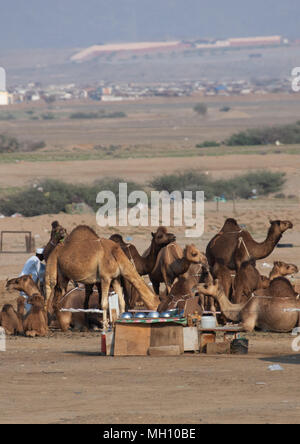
5	97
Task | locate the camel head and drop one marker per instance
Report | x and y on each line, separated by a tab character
162	237
58	233
280	226
36	300
193	255
23	283
284	269
210	288
118	239
265	282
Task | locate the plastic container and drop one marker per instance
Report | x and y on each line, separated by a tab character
208	322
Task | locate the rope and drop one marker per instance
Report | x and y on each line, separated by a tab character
131	258
241	241
81	310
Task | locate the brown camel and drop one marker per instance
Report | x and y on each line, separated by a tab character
233	246
35	322
143	264
86	258
75	298
171	262
248	279
262	310
10	320
184	287
58	234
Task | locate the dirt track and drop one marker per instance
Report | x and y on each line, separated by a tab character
64	380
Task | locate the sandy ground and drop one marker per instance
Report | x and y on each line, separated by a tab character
62	379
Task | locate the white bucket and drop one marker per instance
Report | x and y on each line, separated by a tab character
208	322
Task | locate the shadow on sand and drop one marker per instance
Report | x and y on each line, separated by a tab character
284	359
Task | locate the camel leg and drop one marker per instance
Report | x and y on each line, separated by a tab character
166	279
88	292
249	316
59	290
105	285
118	289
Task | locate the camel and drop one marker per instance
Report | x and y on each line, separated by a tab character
58	234
88	259
248	279
281	269
10	320
143	264
171	262
262	310
184	287
232	246
75	298
35	322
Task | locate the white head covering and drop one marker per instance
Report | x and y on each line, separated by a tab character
39	251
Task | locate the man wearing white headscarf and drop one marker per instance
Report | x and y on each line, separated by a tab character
36	268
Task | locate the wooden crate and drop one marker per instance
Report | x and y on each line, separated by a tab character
136	339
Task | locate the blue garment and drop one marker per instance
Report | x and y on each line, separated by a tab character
37	269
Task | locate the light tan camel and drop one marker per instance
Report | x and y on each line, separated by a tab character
86	258
143	264
281	269
262	310
35	322
232	246
171	262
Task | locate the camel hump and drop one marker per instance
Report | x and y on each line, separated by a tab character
230	225
118	239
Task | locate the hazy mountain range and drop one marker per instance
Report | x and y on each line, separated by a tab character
78	23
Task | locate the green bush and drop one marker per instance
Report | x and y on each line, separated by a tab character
264	182
200	108
208	144
289	134
52	196
9	144
97	115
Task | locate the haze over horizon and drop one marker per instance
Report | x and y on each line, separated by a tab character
73	23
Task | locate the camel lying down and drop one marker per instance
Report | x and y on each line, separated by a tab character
11	321
35	322
263	310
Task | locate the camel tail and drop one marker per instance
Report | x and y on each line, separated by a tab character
128	272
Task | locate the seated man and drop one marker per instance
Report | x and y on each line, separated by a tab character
36	268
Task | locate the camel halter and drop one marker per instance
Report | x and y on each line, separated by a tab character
131	258
242	242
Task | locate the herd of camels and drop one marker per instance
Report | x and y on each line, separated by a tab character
225	278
